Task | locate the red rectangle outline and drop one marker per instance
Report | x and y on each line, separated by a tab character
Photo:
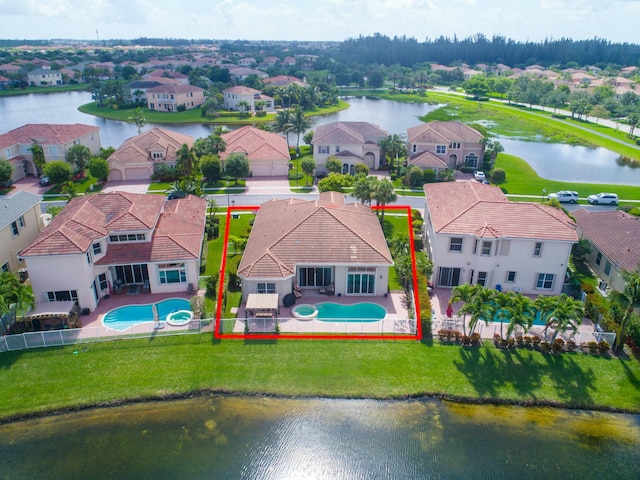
275	336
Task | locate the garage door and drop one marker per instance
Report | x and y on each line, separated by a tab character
270	169
115	175
137	174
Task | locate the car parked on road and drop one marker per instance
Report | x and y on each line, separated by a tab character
479	176
564	196
603	199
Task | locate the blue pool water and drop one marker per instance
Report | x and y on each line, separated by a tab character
536	320
360	312
125	317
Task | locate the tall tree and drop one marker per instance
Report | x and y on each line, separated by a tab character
393	149
138	119
384	194
284	123
308	165
364	188
629	299
186	161
79	156
568	313
58	172
464	293
236	166
299	124
38	156
12	292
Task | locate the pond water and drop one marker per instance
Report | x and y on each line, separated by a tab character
553	161
266	438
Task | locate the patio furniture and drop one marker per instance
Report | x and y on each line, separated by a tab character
331	289
296	291
190	289
118	287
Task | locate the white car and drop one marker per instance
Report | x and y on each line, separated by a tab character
564	196
479	176
603	199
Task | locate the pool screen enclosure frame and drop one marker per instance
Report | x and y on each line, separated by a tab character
217	330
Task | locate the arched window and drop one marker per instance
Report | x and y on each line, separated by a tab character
471	160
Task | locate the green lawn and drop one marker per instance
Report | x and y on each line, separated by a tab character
86	184
9	92
48	379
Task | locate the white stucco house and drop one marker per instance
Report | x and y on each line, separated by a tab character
234	95
41	77
349	142
322	245
475	235
614	237
55	140
454	143
100	244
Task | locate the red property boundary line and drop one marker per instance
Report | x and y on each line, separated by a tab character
273	336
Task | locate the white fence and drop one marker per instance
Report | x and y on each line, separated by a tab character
73	336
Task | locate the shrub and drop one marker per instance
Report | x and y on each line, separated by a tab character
571	345
181	108
361	169
498	176
592	347
474	339
558	345
429	176
527	340
545	347
261	113
520	340
415	214
603	347
211	284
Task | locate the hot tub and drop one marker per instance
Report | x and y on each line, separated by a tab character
179	318
304	311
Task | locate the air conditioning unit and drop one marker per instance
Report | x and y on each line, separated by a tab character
602	285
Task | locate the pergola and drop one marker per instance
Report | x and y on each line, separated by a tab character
64	312
262	305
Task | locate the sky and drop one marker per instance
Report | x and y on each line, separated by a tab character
316	20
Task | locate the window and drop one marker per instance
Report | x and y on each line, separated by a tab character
486	249
14	229
315	276
598	258
441	149
545	281
511	277
102	280
537	249
97	248
21	221
361	280
337	148
607	268
323	148
88	257
471	160
475	247
5	267
131	237
62	296
482	278
172	273
414	148
455	244
504	247
448	277
266	288
455	145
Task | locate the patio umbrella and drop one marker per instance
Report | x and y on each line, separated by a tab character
449	310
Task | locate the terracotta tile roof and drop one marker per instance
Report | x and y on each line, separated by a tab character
175	89
256	144
472	208
240	90
322	232
138	149
47	133
348	133
447	132
91	217
426	160
615	233
283	81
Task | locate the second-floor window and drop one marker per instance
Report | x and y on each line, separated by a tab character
414	149
598	258
511	277
14	229
455	244
486	249
323	148
537	249
97	248
441	149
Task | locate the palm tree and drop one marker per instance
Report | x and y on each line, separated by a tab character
384	194
138	119
629	299
568	313
284	123
393	147
503	311
299	124
544	307
186	186
364	188
186	161
481	307
464	293
522	313
13	293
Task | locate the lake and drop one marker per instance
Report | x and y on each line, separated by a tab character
265	438
553	161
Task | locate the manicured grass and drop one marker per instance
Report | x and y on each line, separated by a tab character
12	92
523	180
53	378
86	184
306	182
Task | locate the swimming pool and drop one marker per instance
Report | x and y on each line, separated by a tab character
335	312
127	316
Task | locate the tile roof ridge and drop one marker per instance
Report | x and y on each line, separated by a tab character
561	218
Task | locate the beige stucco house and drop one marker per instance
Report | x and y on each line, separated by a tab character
100	241
234	95
475	235
455	143
42	77
267	152
138	157
167	98
55	140
614	237
322	245
349	142
20	224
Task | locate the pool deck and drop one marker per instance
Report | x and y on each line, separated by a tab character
395	322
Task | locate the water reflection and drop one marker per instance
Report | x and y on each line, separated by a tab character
265	438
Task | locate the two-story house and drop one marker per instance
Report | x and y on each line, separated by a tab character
55	140
138	157
349	142
245	99
167	98
614	237
20	224
475	235
43	77
105	242
455	143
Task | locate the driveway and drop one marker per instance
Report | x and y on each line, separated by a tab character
131	186
30	184
267	185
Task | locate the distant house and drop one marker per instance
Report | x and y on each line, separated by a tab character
235	95
20	224
614	237
55	140
138	89
475	235
41	77
138	157
247	62
285	249
267	152
103	241
4	82
241	73
349	142
284	80
456	144
167	98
